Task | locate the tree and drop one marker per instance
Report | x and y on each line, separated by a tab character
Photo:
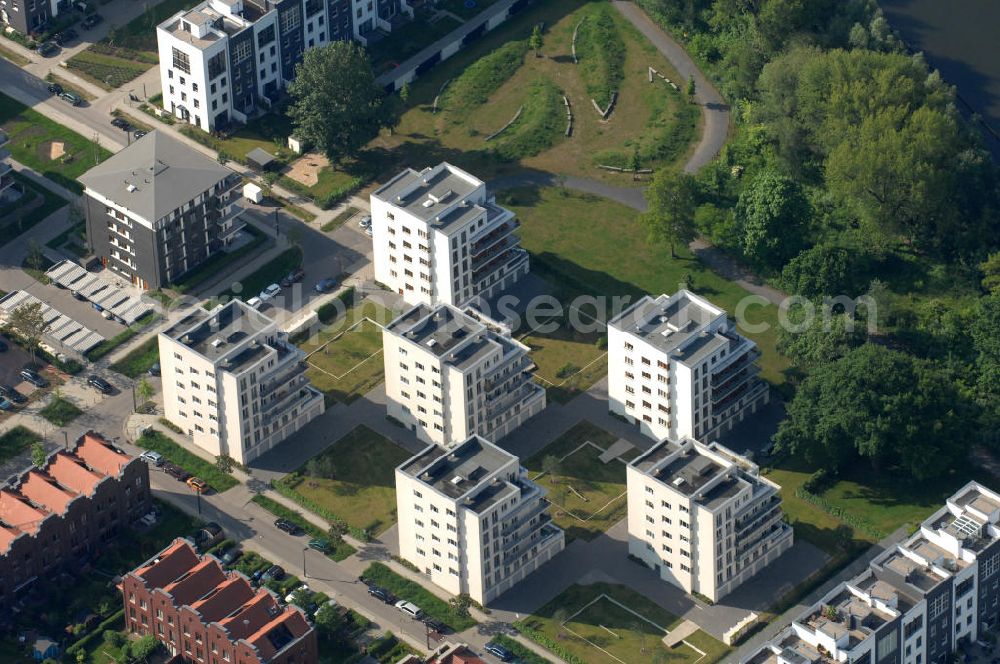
890	408
144	390
991	273
670	201
224	463
267	182
142	648
30	324
34	259
336	104
535	40
985	332
690	89
827	338
38	455
772	215
825	270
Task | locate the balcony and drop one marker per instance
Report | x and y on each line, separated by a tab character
494	236
300	396
284	378
734	384
722	376
494	261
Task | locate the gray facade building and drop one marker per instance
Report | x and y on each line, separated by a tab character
158	209
30	16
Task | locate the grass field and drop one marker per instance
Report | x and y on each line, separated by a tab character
568	361
354	479
16	441
60	412
610	623
36	205
31	142
159	442
139	359
586	245
587	494
105	70
345	360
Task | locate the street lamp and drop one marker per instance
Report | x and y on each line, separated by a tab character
65	440
304	575
198	494
135	406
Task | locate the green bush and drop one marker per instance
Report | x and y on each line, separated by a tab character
482	78
539	126
108	345
601	51
117	620
431	604
328	312
60	412
15	441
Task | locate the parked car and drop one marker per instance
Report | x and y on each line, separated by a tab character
121	123
8	392
6	404
197	484
366	221
270	292
64	37
290	596
33	377
154	370
368	231
499	652
380	594
152	457
287	526
138	133
73	100
293	277
255	303
410	609
274	572
55	88
176	472
325	285
231	556
92	20
320	545
77	295
47	49
436	626
99	384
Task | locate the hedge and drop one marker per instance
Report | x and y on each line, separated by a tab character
840	513
342	551
328	312
97	634
108	345
548	643
158	441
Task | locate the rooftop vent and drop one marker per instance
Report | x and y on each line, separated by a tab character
429	203
457	479
130	188
217	342
678	481
431	343
452	457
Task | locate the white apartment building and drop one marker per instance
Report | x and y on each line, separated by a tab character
439	237
233	383
916	603
225	60
451	374
703	517
470	518
677	367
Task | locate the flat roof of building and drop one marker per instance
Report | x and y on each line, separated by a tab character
214	334
155	175
438	195
457	471
459	338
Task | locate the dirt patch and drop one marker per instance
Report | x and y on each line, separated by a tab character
56	150
306	168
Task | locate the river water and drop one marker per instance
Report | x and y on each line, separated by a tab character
962	39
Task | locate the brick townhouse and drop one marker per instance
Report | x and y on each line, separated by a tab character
62	513
205	615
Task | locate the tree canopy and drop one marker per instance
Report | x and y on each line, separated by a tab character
671	201
336	104
772	217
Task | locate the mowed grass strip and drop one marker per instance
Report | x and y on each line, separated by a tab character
158	441
473	87
540	125
107	71
341	551
139	359
353	479
431	604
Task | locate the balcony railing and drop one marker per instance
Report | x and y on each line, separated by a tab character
722	376
513	254
731	387
494	236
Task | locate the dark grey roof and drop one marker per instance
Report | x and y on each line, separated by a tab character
260	157
154	176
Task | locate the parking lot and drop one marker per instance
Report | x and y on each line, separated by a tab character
11	362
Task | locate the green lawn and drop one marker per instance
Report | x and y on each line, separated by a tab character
353	479
342	551
32	138
567	361
35	205
345	359
139	359
340	219
587	245
60	412
159	442
431	604
16	441
603	622
587	495
108	345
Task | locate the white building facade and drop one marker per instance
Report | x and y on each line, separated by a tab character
439	237
702	517
471	520
677	367
225	60
233	383
450	374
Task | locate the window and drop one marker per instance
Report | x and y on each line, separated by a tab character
181	61
265	36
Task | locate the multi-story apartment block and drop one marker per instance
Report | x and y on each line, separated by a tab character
703	517
6	170
439	237
470	518
202	613
224	60
677	367
916	602
450	374
158	209
64	512
233	382
30	16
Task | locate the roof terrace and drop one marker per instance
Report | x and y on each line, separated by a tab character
458	471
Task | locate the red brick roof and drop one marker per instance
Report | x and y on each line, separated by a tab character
43	489
169	565
17	513
99	455
194	585
69	470
219	603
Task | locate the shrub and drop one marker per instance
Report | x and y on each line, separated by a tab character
601	51
819	481
539	126
170	425
482	78
328	312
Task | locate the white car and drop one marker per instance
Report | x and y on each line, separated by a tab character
152	457
255	303
269	293
290	596
368	231
366	221
409	608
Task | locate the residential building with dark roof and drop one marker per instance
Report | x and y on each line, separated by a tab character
678	367
202	613
158	209
703	517
64	512
471	520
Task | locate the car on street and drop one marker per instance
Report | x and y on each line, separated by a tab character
320	545
6	404
154	370
255	303
499	652
293	277
176	471
121	123
73	100
33	377
409	608
92	20
47	49
55	88
152	457
269	293
8	392
274	572
99	384
197	484
325	285
287	526
366	221
380	594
